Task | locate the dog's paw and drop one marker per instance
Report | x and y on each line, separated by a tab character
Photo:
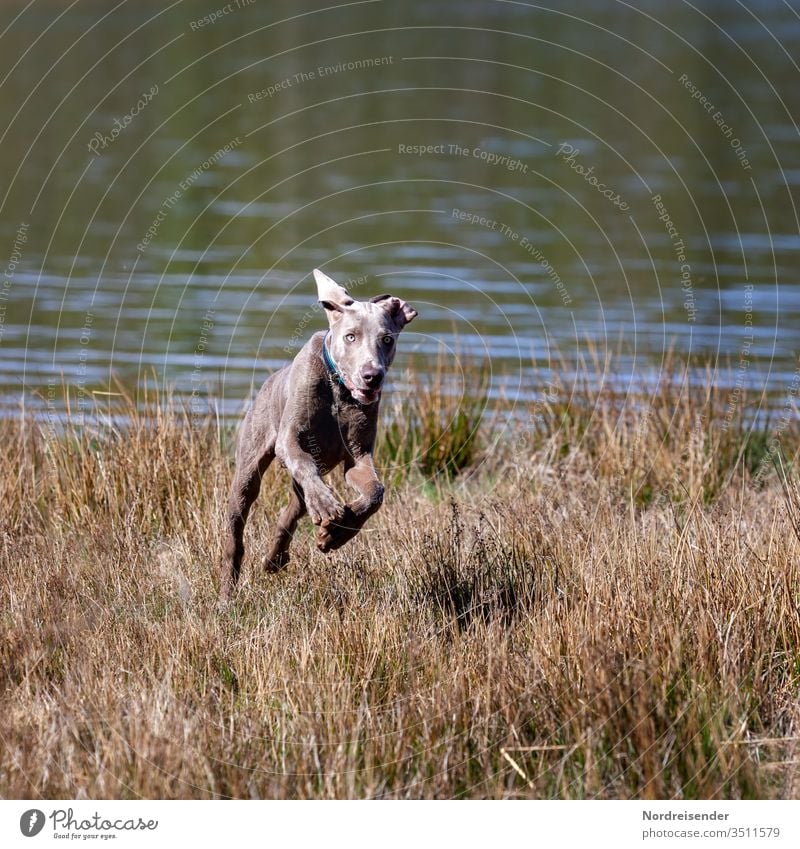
324	506
276	562
326	537
332	535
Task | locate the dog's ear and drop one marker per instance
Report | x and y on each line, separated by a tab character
332	296
399	310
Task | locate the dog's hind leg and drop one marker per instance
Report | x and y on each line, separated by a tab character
278	555
244	491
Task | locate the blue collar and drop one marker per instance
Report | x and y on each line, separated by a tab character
328	360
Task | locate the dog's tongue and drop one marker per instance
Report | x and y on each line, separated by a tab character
368	395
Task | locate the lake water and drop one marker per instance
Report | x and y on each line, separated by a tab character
541	181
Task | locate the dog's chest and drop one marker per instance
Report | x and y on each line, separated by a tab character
353	425
335	432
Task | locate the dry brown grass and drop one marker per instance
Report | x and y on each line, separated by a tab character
609	600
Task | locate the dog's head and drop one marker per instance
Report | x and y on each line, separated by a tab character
363	336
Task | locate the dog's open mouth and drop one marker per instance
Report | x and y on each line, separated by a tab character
365	396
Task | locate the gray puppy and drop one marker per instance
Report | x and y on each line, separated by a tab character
315	413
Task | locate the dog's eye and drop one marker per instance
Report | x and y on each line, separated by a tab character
350	337
387	340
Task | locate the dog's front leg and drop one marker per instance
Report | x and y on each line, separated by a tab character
320	501
361	475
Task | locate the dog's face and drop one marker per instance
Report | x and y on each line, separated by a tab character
363	336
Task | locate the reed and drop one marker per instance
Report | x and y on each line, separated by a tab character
600	588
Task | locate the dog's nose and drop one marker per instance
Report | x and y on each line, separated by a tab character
372	377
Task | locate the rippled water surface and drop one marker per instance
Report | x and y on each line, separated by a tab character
545	182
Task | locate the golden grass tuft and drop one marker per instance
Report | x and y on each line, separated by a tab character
602	602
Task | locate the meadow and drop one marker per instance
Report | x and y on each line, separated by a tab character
587	596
